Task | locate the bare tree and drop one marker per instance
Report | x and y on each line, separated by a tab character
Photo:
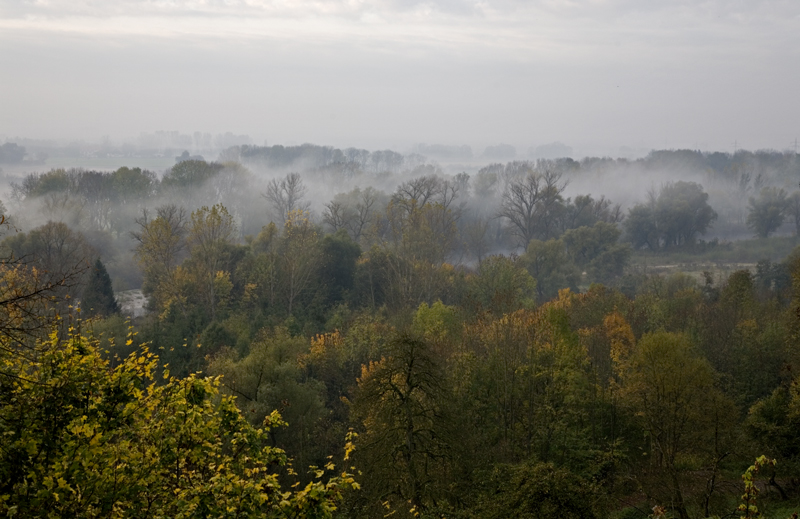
364	212
533	204
286	195
337	215
420	190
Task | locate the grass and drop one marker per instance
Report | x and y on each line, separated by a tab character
721	259
738	252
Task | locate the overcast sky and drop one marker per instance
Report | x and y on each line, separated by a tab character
595	75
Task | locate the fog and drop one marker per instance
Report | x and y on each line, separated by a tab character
389	92
75	183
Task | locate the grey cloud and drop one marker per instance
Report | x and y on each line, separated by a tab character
379	72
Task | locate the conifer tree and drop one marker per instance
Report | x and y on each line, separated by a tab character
98	296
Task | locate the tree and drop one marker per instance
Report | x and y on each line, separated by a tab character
29	299
768	211
537	490
419	239
269	377
52	252
401	405
339	255
585	211
11	153
160	249
793	210
641	227
682	212
286	195
774	424
551	267
532	205
671	391
83	440
299	253
98	295
674	217
596	251
190	174
501	285
211	233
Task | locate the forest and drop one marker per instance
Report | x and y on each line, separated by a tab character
314	332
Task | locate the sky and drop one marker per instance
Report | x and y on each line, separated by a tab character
596	75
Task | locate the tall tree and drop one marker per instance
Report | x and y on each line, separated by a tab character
672	392
533	205
211	233
98	294
300	259
160	249
401	405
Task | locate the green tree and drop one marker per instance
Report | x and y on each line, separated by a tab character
98	294
767	211
299	256
501	285
419	239
535	491
269	377
671	390
641	228
337	270
682	212
596	250
190	174
774	424
551	267
401	405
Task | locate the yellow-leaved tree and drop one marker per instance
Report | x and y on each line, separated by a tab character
80	439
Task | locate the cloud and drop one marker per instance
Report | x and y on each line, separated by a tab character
523	72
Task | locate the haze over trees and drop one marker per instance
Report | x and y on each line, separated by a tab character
487	342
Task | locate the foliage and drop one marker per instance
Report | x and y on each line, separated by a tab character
401	405
81	439
596	251
536	490
190	173
768	211
672	392
98	294
748	507
500	285
675	217
551	267
269	377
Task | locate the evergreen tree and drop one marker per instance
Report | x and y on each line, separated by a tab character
98	296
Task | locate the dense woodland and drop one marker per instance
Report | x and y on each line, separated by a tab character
477	345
